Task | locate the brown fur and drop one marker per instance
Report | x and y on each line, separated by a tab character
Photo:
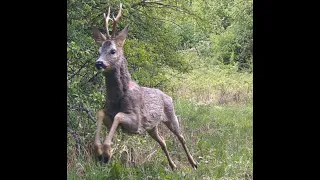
134	108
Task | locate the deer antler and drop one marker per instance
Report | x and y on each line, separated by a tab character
115	21
106	20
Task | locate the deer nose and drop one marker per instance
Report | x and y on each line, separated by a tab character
100	65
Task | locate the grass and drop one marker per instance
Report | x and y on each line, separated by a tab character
214	84
219	138
214	106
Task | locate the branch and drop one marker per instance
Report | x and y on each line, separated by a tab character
93	78
89	113
76	73
145	3
73	133
137	4
85	109
89	60
76	137
146	14
159	4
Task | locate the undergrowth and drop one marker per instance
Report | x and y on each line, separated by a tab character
214	106
218	137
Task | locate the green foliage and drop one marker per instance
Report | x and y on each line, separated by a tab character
159	34
193	50
151	47
234	43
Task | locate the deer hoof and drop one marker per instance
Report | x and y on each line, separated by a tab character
194	166
105	159
173	167
99	158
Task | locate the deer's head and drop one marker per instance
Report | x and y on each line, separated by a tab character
111	46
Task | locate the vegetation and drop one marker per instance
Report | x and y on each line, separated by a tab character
198	52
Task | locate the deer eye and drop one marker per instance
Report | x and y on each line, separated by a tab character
113	51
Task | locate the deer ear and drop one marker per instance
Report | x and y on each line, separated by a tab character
122	36
98	36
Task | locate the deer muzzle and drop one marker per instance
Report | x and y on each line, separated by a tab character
100	65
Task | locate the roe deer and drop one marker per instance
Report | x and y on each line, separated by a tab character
134	108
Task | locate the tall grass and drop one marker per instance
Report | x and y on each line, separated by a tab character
214	106
219	137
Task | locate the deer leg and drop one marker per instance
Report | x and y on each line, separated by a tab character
173	125
97	143
155	135
128	122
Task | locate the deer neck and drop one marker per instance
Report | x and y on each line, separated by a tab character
117	82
